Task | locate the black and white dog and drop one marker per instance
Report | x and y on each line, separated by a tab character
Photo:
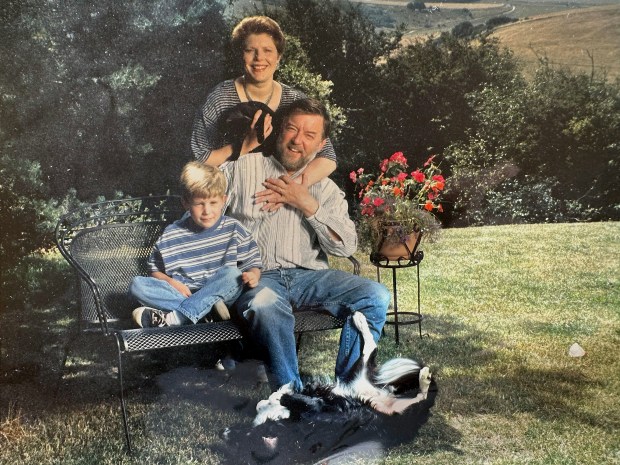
338	423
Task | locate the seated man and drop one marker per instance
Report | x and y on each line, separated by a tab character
294	242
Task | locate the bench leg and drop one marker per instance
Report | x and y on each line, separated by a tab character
122	396
298	342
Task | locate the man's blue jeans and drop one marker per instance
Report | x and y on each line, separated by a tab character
268	308
225	285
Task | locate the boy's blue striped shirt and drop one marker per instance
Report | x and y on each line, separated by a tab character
192	254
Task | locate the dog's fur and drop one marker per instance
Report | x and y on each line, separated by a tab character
336	423
236	122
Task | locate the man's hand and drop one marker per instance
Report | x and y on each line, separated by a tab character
251	277
285	190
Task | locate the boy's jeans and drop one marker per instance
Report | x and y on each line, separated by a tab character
224	285
269	311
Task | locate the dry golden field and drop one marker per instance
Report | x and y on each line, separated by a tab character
568	39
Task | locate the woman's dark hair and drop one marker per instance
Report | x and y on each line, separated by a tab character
258	25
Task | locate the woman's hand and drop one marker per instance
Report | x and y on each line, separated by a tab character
251	138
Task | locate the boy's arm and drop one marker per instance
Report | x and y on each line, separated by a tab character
251	277
178	285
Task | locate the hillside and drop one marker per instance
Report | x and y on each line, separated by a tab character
568	39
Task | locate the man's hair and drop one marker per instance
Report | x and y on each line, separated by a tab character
308	106
200	180
258	25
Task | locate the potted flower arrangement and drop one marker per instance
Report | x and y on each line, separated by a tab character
397	206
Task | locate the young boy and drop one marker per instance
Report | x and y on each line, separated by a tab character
201	262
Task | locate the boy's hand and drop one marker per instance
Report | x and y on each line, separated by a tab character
179	286
250	278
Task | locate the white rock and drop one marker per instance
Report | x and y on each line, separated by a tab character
576	350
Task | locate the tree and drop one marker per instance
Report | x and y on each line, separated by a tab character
103	95
555	137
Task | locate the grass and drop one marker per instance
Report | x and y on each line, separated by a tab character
568	39
502	306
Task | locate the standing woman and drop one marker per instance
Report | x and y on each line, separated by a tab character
260	43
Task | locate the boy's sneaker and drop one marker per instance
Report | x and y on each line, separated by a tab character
226	363
147	317
221	310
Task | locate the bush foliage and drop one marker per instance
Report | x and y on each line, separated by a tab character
99	98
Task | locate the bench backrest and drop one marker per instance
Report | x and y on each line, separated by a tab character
108	244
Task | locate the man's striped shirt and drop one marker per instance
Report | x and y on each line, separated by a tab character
286	238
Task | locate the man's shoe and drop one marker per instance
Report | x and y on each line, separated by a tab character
147	317
221	310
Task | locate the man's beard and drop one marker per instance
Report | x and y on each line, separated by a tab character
290	164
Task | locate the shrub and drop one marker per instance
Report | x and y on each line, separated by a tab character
28	217
416	5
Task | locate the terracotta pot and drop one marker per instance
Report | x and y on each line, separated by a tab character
394	249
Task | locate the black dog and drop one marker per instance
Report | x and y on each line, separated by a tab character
338	423
236	122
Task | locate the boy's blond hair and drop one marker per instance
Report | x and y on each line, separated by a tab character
200	180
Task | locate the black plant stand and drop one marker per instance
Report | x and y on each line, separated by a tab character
410	318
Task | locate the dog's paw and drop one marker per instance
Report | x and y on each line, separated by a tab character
359	320
425	379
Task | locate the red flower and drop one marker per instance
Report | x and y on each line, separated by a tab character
365	200
368	210
378	201
401	176
428	205
398	157
418	176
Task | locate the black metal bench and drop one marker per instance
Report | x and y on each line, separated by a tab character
107	244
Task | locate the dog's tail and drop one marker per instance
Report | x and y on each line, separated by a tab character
398	372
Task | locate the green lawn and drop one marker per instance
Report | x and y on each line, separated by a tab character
502	306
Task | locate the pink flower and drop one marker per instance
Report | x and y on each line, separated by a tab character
384	165
353	176
401	177
365	200
429	161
